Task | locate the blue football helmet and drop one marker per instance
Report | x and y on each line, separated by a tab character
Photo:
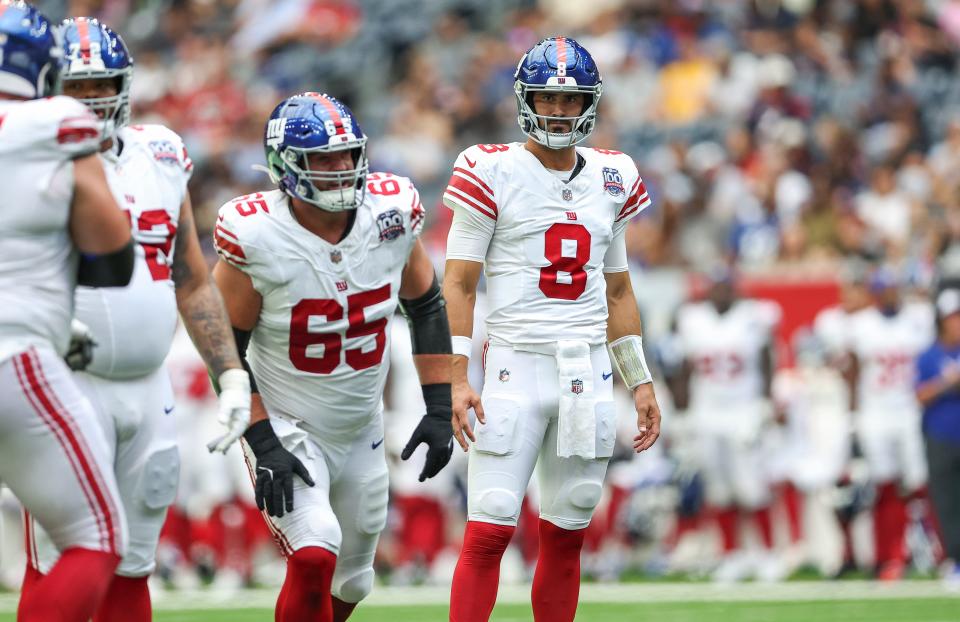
92	50
29	55
308	123
557	64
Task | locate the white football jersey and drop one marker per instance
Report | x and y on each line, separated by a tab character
134	325
886	349
545	262
38	263
724	350
320	349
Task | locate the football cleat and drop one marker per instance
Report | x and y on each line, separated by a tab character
308	123
29	55
92	50
557	64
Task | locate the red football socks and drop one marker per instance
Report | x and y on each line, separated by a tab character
556	582
127	600
305	596
475	581
72	590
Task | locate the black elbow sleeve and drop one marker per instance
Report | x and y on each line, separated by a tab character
109	270
427	317
242	337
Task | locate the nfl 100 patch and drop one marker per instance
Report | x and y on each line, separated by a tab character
613	182
164	151
390	224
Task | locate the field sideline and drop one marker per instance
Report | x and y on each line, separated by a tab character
845	601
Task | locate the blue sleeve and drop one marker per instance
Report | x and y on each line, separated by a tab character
928	366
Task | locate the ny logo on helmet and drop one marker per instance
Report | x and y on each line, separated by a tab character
275	131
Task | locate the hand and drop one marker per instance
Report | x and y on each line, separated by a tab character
950	374
275	470
234	406
434	430
465	398
648	417
80	350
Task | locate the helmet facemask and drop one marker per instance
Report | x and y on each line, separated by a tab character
535	125
291	169
114	110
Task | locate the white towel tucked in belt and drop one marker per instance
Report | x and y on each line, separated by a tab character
577	433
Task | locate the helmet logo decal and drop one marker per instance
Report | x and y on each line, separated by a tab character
275	131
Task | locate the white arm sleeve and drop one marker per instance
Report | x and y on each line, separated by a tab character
470	235
615	260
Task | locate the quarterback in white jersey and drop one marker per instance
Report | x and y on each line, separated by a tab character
884	341
547	220
53	454
312	273
132	327
725	387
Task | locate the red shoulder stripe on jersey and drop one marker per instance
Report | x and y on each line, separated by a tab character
637	195
227	233
636	208
469	188
228	250
470	175
416	209
466	201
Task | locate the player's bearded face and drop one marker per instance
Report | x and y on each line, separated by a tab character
91	88
331	162
558	104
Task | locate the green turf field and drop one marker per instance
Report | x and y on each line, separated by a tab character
885	610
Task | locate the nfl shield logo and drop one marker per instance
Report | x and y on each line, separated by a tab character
504	375
336	256
576	386
567	194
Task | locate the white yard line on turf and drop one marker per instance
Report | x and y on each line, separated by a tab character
606	593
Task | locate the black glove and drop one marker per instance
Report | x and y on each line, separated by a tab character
275	469
434	429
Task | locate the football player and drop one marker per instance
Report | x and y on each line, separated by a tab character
59	226
547	218
132	328
727	344
311	273
884	340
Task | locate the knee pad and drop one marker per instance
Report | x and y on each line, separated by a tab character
159	479
584	495
372	515
354	588
499	504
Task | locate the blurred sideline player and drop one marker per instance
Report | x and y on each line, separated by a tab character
884	341
132	328
311	273
727	344
53	454
547	219
830	330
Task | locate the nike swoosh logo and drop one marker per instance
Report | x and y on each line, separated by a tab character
469	163
606	376
377	444
169	410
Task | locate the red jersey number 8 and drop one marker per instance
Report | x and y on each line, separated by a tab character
574	282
